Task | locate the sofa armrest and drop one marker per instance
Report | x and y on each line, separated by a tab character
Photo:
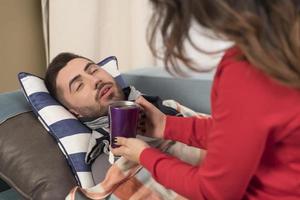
31	161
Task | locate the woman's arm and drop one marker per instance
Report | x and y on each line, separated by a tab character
235	143
192	131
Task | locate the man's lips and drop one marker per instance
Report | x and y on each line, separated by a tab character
103	91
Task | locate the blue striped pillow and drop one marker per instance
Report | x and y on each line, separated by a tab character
71	135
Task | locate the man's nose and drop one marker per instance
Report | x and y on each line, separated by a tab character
95	81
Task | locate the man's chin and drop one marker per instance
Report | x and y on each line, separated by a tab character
94	115
104	110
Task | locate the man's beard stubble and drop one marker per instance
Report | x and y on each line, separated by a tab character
93	113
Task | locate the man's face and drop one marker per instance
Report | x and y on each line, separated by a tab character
87	89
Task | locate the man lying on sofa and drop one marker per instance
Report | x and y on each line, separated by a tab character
86	90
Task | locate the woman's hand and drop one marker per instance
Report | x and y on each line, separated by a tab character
130	148
152	122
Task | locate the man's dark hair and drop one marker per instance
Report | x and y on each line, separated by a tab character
59	62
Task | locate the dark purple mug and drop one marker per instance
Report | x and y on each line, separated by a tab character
123	120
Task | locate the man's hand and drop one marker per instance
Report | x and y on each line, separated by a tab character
130	148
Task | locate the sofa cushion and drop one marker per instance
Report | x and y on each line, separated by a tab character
71	135
31	161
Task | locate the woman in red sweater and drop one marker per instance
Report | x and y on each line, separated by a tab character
253	135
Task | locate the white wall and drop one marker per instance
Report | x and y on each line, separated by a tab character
97	29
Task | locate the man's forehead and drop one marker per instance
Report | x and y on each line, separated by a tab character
71	69
77	62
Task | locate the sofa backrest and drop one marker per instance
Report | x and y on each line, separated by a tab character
193	92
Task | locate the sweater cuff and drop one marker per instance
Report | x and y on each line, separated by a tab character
176	127
148	158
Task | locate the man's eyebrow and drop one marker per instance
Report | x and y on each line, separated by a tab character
87	66
78	76
72	81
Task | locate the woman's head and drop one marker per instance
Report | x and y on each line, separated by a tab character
267	31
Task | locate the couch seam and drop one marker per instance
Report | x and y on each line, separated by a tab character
11	183
14	115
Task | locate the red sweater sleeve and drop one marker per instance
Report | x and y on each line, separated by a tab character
236	139
189	130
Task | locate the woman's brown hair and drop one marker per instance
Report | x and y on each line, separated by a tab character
267	32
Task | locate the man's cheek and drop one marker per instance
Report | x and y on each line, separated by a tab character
118	91
85	96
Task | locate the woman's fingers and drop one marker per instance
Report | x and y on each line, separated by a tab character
121	141
144	103
119	151
142	116
130	148
142	123
141	129
154	120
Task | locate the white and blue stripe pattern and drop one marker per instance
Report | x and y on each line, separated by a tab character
71	135
110	64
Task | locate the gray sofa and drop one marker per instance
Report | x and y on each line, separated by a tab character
30	160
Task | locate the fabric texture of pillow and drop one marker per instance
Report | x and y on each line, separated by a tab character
71	135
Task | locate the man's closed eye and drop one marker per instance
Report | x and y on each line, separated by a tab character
95	70
79	87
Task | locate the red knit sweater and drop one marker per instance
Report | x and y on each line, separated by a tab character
252	140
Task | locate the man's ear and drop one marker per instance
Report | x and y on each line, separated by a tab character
74	112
